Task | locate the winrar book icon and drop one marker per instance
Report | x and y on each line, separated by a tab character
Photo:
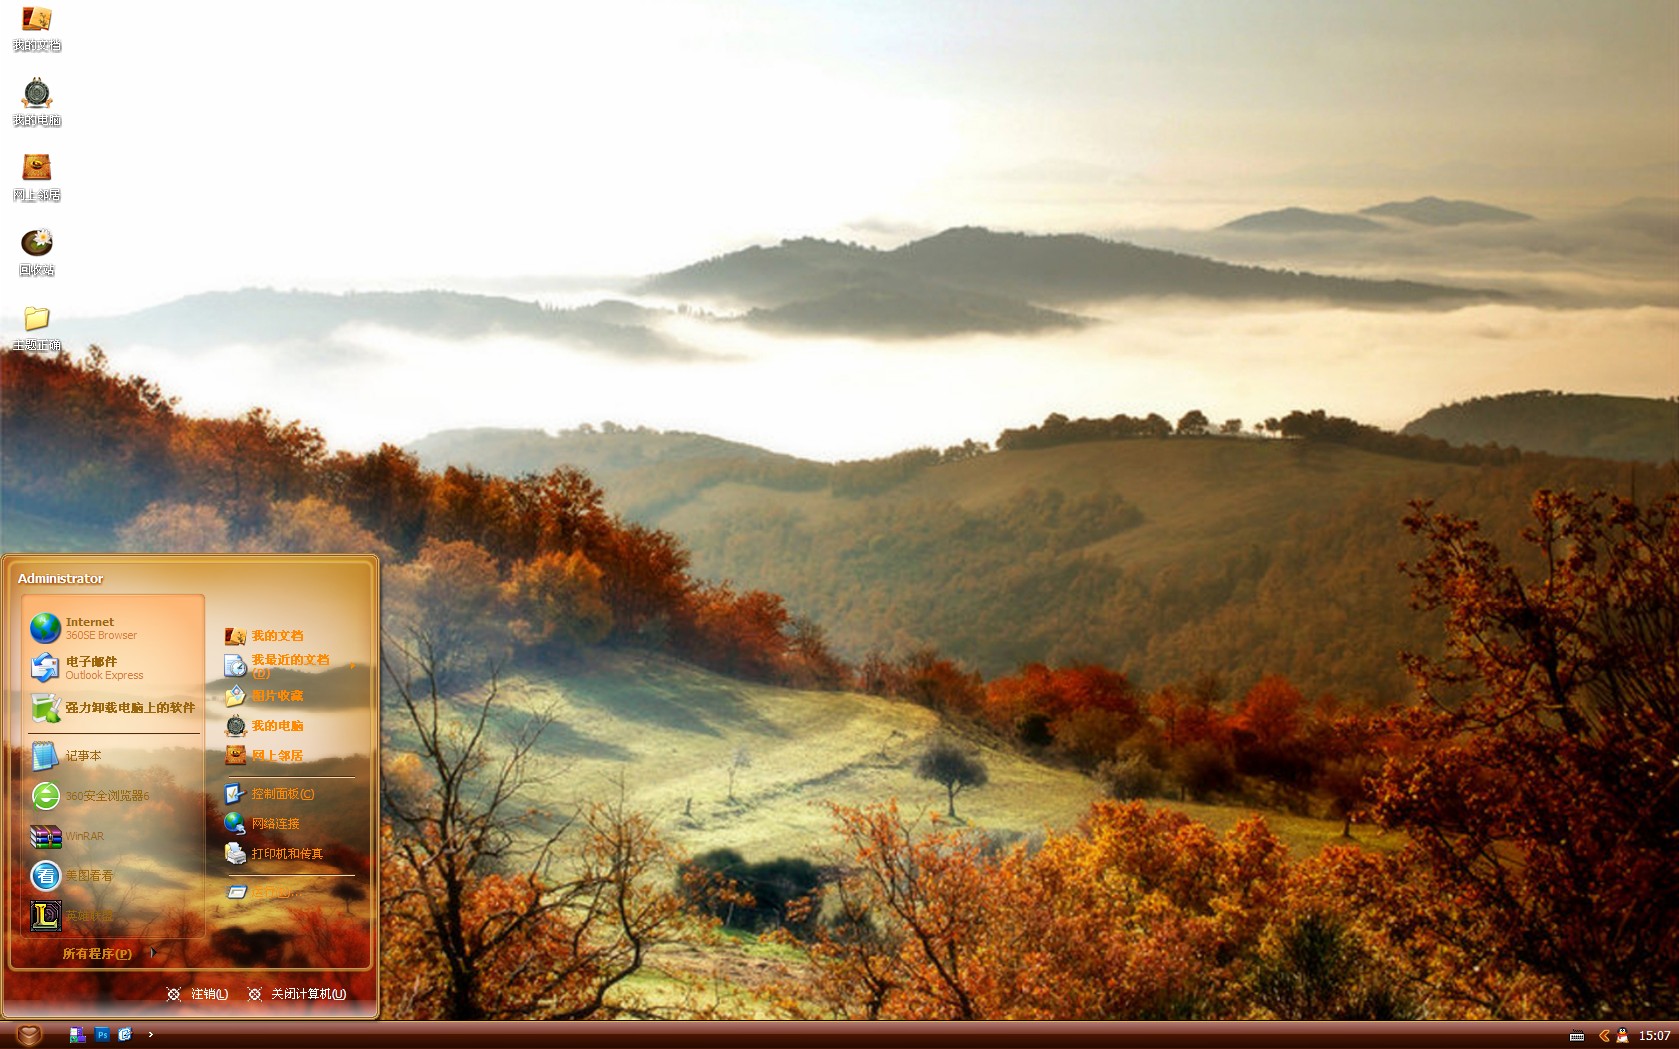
45	836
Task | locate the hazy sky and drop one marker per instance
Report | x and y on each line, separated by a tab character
429	144
221	144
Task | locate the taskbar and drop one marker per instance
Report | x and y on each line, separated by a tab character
257	1033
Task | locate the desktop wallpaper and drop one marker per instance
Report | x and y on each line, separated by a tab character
921	510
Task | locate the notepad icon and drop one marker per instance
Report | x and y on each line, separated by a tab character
43	755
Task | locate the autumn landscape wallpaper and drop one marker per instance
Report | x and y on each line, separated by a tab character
929	511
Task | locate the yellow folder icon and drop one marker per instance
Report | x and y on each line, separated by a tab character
34	317
235	696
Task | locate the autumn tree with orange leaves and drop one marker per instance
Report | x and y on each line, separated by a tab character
1542	790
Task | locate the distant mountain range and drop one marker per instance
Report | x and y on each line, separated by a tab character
265	315
964	280
1432	211
1638	429
1303	220
973	279
1424	211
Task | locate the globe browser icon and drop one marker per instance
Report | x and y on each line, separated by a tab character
45	628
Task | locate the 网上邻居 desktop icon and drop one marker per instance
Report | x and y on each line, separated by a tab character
235	754
37	167
45	627
44	667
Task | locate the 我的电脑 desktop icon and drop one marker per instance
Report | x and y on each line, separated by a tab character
36	94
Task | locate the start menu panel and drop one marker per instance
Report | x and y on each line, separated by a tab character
191	795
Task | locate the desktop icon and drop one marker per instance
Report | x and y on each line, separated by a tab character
124	1033
78	1036
1621	1037
46	915
44	667
101	1033
45	836
45	627
234	666
43	708
42	755
29	1035
233	853
237	892
37	167
37	18
233	635
35	317
37	242
231	793
236	726
234	822
236	754
45	795
45	876
36	94
235	696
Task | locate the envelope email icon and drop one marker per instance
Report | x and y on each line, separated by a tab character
35	317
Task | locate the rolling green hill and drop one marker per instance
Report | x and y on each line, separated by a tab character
1168	558
670	731
1642	429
